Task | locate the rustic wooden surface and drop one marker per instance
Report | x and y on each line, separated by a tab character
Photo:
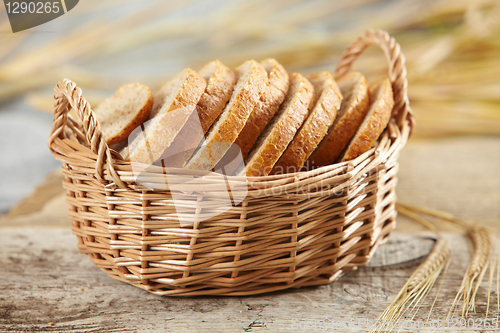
46	285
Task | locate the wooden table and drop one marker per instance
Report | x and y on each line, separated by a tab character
46	285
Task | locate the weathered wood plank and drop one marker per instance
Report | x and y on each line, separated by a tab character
45	280
42	274
456	175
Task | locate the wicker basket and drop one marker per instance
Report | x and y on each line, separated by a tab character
301	229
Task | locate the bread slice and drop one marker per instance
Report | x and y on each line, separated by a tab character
251	81
172	107
376	119
120	114
354	89
315	127
220	83
270	100
282	128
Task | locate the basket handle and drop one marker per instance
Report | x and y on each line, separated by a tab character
68	94
397	70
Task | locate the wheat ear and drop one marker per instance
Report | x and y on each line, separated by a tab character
417	287
420	282
481	247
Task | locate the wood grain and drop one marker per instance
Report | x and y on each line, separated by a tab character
46	285
456	175
45	280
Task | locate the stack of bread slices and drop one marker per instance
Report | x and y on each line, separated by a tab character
273	121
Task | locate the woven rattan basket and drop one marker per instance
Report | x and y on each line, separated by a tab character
301	229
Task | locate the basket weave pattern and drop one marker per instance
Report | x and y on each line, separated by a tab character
291	230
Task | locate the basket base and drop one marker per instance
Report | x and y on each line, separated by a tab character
348	263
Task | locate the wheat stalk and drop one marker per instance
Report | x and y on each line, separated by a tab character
420	283
439	252
492	273
481	248
411	214
432	212
417	287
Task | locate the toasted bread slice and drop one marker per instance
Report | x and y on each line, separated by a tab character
251	81
270	100
354	89
315	127
376	119
282	128
220	83
173	105
120	114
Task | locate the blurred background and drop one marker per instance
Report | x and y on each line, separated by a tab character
452	48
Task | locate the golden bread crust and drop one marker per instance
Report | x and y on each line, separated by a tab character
172	106
270	100
251	80
355	103
377	117
315	127
282	128
220	83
